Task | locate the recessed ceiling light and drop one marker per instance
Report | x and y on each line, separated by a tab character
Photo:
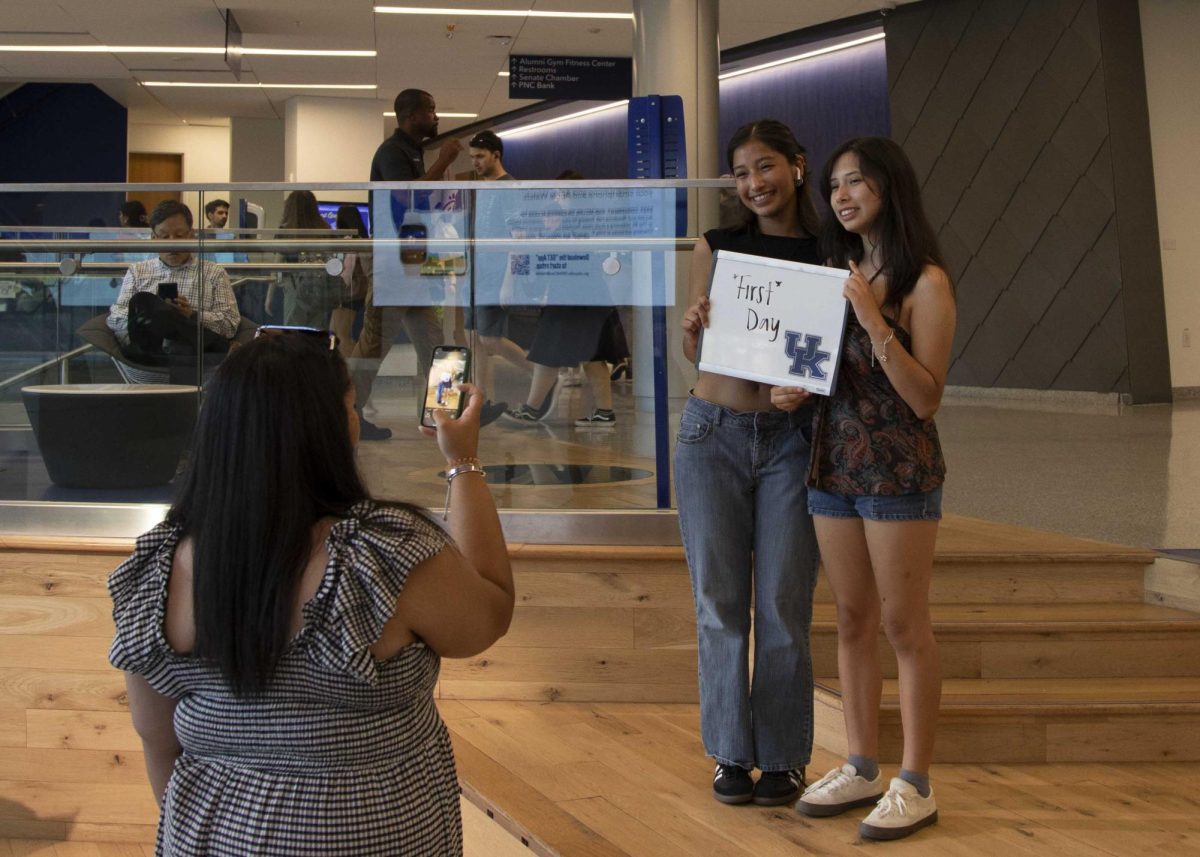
497	13
167	49
258	85
288	52
503	74
442	115
874	37
522	129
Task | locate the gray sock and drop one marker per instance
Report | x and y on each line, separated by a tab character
919	781
867	767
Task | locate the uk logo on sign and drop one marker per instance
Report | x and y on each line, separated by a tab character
807	360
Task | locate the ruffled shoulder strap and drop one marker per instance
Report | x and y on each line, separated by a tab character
138	588
371	553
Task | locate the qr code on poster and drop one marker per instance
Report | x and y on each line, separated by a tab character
518	264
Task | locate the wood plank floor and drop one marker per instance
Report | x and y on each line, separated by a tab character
617	778
631	779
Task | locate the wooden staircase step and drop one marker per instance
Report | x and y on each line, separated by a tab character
1043	641
1014	721
1007	620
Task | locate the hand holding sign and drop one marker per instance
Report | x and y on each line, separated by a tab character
694	322
771	321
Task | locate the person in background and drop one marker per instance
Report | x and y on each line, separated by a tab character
281	632
491	321
743	506
217	213
877	505
310	296
568	335
400	158
132	215
162	330
356	280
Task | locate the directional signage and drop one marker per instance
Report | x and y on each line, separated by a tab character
572	78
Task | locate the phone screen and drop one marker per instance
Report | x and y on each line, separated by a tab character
448	370
413	253
168	291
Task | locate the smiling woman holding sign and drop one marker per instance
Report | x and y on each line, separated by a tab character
743	506
875	484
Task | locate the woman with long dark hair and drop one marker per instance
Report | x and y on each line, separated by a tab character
356	280
875	481
281	631
743	508
310	296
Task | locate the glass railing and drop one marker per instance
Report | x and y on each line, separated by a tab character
568	295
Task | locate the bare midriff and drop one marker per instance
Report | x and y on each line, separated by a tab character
735	394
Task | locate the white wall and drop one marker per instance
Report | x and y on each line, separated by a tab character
331	140
1170	33
205	150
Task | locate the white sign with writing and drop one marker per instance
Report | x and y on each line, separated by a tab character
774	322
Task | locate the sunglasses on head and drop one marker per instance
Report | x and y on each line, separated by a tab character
284	329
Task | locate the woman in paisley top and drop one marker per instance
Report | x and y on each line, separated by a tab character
876	474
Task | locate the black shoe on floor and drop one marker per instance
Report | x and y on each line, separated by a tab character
491	412
550	400
367	430
775	788
732	784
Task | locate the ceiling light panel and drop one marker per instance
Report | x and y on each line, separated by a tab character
461	12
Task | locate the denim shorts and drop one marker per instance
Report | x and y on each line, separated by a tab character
922	506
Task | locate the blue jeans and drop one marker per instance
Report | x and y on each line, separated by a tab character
743	514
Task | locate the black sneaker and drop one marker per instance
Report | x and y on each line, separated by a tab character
732	784
597	418
778	787
367	430
522	414
491	412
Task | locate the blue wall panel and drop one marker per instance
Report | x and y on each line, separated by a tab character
592	145
61	132
824	100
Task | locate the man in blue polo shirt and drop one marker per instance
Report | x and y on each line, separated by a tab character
400	158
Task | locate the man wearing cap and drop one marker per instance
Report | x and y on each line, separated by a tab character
495	326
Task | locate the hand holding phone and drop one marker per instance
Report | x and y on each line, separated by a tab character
447	371
168	291
459	438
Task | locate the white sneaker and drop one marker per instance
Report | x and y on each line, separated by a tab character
900	812
839	790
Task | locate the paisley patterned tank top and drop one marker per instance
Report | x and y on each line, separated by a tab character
866	439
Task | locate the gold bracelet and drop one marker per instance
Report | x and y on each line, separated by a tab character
878	351
466	459
468	466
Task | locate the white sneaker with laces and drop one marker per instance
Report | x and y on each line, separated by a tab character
839	790
899	813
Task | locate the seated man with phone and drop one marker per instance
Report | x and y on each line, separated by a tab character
154	317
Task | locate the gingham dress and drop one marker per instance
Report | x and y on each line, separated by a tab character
342	754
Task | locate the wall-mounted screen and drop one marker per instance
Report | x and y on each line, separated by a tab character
329	212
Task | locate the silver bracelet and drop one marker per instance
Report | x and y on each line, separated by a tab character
879	351
469	466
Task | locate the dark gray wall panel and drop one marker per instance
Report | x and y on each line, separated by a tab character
1011	111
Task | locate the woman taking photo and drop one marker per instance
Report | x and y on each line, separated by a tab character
743	508
875	482
281	631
